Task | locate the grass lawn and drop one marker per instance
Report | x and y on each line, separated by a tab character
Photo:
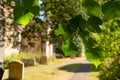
93	75
62	73
50	72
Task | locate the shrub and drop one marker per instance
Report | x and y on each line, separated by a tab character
111	43
110	69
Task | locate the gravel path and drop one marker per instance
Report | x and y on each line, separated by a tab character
55	66
83	71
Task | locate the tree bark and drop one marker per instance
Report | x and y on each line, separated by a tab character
10	34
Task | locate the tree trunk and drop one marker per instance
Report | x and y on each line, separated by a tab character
10	34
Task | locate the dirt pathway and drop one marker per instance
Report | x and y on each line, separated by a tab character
82	72
73	61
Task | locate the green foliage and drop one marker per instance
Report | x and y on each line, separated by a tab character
91	7
94	59
21	17
110	42
111	9
110	69
61	10
82	30
95	55
94	23
33	6
78	43
67	48
24	12
34	31
61	30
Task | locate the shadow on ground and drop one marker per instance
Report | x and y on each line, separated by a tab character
78	67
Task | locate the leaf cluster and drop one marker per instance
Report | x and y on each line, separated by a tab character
90	27
24	12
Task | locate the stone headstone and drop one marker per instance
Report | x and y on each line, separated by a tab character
16	70
28	62
31	62
25	61
1	73
43	60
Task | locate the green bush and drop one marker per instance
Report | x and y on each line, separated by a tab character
21	56
110	69
111	44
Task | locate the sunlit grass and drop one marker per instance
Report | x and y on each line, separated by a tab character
94	74
63	73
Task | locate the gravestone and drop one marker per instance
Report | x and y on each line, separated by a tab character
44	60
28	62
25	61
16	70
31	62
1	73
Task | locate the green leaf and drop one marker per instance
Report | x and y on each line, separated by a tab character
83	24
21	17
18	12
90	42
25	19
94	59
35	10
67	48
24	13
76	20
32	6
74	24
95	55
61	30
36	3
91	7
111	9
28	5
83	30
95	23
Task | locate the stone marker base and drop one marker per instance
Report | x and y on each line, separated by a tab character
28	62
43	60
